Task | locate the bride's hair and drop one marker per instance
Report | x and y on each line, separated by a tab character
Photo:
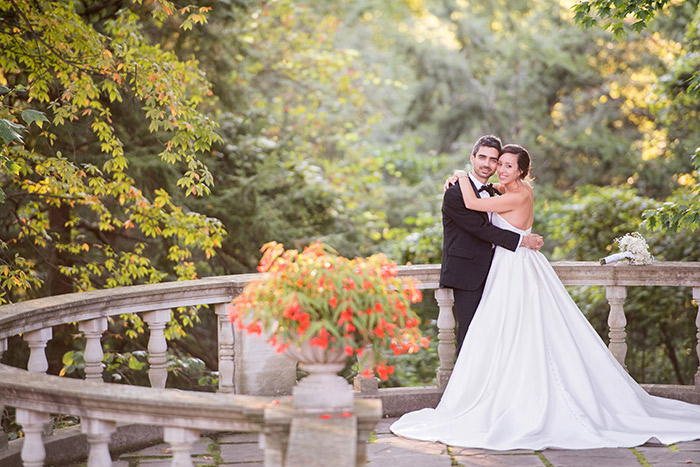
523	156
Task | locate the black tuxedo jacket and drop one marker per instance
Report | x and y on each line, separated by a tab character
466	243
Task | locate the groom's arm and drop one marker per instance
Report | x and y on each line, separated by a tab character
474	222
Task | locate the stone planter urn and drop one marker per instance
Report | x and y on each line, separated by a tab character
323	390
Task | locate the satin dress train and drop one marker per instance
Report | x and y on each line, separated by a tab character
533	374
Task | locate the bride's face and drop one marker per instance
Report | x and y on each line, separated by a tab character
508	168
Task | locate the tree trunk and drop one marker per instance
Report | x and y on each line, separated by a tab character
57	283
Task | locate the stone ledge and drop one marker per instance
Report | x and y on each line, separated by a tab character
398	401
689	394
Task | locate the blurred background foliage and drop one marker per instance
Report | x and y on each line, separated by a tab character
339	120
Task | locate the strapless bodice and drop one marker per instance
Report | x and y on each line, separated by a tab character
499	221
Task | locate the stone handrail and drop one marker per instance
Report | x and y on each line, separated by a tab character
101	406
50	311
34	319
60	309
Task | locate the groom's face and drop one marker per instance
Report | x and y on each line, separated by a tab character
484	162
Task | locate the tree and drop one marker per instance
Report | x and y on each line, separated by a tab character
680	89
661	320
612	14
71	207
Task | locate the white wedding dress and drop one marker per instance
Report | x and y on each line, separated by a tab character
534	374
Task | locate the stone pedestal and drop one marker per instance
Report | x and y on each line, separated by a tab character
259	370
291	438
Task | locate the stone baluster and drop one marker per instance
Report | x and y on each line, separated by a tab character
93	354
180	441
696	297
157	347
3	436
98	434
37	341
446	335
226	349
617	322
33	452
368	385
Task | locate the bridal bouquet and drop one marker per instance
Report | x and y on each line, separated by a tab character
633	247
321	298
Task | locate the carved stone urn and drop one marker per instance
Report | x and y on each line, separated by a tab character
323	390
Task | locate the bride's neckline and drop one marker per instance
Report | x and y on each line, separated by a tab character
516	228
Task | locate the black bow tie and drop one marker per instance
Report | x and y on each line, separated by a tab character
487	188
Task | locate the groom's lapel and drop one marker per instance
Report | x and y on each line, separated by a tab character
476	192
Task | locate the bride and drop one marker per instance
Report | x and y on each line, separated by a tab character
532	373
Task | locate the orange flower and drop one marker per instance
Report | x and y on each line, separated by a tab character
299	287
349	284
321	340
345	316
384	371
292	311
304	322
254	328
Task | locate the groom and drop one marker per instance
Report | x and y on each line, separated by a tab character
469	237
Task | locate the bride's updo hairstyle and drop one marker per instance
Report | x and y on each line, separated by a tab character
523	158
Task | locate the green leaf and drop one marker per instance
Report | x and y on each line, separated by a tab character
10	166
30	116
4	89
135	364
9	131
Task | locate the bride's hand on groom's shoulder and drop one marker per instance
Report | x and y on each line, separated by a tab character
532	241
452	179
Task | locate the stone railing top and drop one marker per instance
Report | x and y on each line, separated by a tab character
130	404
60	309
672	273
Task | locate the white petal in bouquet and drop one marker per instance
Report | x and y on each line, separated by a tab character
632	246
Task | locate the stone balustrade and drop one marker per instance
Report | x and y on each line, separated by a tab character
100	406
182	414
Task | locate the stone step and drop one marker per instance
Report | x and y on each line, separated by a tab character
385	449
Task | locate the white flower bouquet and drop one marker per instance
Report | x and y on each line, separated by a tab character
633	247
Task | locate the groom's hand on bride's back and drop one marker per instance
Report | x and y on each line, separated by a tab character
533	242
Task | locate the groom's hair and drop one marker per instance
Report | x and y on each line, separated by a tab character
489	141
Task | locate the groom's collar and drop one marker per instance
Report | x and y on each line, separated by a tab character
477	183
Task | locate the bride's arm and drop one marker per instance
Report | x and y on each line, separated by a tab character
502	203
